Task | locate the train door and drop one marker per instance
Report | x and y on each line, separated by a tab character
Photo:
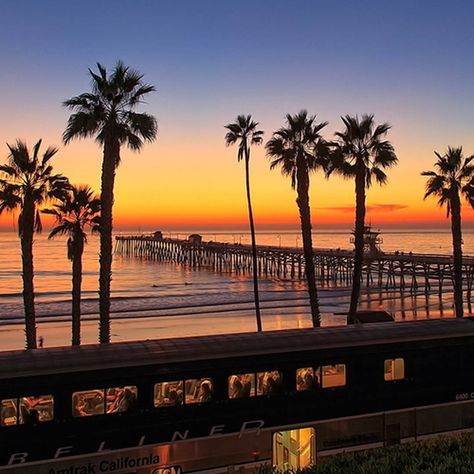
294	449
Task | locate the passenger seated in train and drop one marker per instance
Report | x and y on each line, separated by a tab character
36	409
168	394
79	407
241	386
235	387
123	400
307	379
199	390
205	392
246	386
32	418
271	383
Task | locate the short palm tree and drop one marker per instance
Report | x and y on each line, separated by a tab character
245	132
77	210
454	176
26	183
108	114
361	153
298	149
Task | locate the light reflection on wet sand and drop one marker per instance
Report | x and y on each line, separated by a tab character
276	316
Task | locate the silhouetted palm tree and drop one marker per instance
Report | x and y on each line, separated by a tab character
77	210
27	182
244	131
454	176
297	150
361	153
108	114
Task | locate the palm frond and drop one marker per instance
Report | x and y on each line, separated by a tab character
243	131
108	110
362	145
454	174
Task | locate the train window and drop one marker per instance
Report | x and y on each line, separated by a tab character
199	390
394	369
121	399
88	403
334	375
34	409
241	386
27	410
9	410
308	379
269	383
168	394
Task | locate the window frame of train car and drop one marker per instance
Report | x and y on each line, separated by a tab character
183	381
104	403
107	380
393	360
254	391
19	417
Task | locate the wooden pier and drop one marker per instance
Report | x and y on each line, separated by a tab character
404	271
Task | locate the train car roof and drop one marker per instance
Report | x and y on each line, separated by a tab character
167	351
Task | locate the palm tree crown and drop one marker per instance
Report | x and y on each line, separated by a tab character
300	139
29	177
77	210
362	146
455	174
244	131
109	110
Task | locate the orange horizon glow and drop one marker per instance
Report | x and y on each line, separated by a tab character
197	183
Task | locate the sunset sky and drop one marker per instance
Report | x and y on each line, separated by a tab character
408	62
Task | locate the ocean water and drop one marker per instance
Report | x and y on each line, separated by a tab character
151	299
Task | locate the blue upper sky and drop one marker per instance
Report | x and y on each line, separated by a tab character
274	55
408	62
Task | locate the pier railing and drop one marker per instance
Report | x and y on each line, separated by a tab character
406	271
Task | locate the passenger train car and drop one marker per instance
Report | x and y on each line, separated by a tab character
218	403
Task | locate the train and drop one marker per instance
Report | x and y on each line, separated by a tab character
280	399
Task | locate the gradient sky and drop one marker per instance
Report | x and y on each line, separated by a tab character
408	62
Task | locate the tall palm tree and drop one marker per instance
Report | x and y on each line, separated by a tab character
26	183
244	131
454	176
361	153
77	210
108	114
298	149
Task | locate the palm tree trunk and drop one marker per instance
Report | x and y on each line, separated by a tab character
457	254
254	244
302	189
359	243
26	238
76	293
111	153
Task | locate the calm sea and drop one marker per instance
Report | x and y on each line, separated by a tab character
150	297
